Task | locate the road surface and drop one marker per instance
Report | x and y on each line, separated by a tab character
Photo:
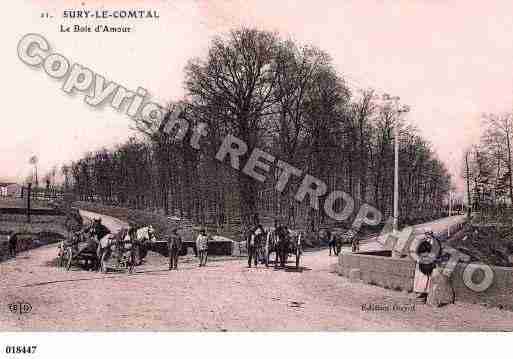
438	226
111	223
224	296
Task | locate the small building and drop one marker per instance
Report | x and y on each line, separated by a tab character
10	190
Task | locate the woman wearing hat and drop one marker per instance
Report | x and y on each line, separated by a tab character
427	251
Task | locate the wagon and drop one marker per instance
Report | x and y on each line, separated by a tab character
76	249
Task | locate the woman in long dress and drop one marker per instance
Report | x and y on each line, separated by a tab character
427	253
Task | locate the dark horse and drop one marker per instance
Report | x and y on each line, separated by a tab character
98	229
282	239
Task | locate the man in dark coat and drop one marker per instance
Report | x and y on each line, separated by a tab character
331	242
174	244
252	244
13	244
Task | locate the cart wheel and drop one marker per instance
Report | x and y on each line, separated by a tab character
103	262
69	258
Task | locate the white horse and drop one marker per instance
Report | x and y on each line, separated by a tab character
142	236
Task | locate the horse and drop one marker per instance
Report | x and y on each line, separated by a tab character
143	236
139	241
281	243
277	240
98	229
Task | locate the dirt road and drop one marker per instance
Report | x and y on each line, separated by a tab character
112	223
438	226
224	296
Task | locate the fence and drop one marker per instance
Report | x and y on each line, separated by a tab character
43	194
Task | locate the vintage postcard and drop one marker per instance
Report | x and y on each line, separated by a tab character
256	166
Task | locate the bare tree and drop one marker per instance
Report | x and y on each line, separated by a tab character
238	76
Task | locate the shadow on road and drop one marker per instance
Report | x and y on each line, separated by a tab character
65	281
119	275
297	270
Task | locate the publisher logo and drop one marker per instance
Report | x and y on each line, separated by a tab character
20	308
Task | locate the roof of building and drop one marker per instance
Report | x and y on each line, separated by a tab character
6	184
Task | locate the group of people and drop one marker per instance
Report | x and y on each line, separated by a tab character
175	244
256	239
335	243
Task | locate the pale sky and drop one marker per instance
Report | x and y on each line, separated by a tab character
449	60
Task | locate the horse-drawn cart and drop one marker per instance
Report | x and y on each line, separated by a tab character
78	247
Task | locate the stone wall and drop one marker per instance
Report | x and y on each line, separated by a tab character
398	274
378	270
499	294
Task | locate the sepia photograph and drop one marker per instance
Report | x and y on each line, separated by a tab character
291	167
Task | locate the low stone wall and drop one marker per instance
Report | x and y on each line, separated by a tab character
398	274
378	270
499	294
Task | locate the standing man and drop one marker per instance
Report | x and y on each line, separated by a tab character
13	244
251	246
253	242
202	247
331	241
174	245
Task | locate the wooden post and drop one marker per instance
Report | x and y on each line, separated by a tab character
29	194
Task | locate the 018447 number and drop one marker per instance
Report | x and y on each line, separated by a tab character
20	349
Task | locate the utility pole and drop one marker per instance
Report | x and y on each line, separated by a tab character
398	112
469	200
450	214
396	176
29	194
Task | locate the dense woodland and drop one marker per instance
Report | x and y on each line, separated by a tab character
487	166
282	97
